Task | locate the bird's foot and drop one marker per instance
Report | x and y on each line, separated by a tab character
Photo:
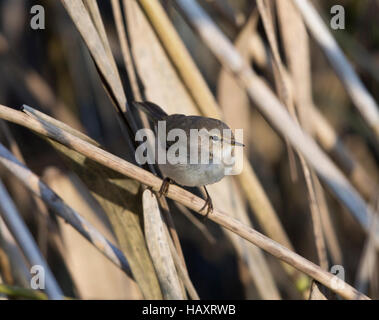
208	204
164	187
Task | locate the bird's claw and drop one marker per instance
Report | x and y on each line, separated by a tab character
208	205
164	187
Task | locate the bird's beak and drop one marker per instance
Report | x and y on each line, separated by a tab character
237	144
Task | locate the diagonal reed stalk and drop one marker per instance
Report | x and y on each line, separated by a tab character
358	93
26	242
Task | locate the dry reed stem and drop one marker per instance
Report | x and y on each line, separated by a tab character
25	240
368	260
359	53
285	93
59	124
12	261
105	64
327	226
182	271
159	249
6	275
281	83
361	98
184	197
93	33
93	10
125	48
179	261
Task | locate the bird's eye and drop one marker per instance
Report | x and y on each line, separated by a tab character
214	138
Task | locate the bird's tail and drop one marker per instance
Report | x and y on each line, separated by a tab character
152	110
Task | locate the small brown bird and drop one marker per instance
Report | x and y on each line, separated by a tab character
218	146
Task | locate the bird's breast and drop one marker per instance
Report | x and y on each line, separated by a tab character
193	175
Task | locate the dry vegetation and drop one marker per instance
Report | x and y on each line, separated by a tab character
304	206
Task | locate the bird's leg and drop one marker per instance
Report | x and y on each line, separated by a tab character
164	187
208	203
